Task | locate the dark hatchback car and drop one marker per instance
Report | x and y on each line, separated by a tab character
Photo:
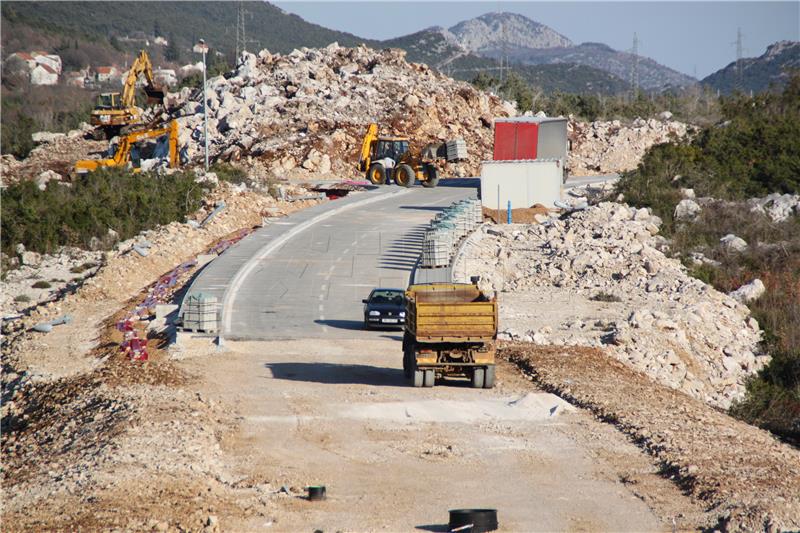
385	308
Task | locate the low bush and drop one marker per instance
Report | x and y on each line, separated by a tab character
605	297
229	173
74	216
41	285
22	298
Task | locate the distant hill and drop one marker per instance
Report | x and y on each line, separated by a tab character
461	51
440	49
758	73
267	26
493	31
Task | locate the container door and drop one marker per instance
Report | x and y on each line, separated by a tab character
527	138
504	140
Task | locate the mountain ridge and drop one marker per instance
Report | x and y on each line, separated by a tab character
758	73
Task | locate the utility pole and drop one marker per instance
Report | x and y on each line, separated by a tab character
241	40
241	33
635	67
739	54
202	48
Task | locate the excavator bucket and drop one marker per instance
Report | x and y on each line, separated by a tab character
155	94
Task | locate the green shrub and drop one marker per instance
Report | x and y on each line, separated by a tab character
229	173
605	297
22	298
41	285
72	216
753	153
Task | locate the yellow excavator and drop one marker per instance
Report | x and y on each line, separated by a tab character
114	111
122	154
386	158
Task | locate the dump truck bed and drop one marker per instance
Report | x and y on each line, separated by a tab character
450	312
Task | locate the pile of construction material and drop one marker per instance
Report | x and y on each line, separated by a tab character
304	114
598	278
606	147
447	230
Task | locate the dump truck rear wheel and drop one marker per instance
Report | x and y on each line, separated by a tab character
408	357
431	176
488	378
430	378
376	174
404	176
419	378
477	378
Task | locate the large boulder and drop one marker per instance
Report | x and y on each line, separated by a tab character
747	293
732	243
687	209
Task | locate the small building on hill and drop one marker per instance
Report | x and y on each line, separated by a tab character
44	75
107	74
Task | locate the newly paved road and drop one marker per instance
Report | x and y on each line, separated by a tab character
312	285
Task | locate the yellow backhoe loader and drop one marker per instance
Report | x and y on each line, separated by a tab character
386	158
122	154
114	111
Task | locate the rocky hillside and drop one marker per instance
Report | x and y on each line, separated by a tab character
440	49
758	73
494	31
652	75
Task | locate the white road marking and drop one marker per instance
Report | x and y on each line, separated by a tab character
247	268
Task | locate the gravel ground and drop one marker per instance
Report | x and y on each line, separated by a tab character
748	479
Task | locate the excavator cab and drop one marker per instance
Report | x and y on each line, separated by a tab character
108	101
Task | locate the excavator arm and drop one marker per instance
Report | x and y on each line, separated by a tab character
122	155
366	145
141	65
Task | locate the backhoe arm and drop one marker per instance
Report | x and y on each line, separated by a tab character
370	137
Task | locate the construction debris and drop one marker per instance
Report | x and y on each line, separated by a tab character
303	114
605	147
598	278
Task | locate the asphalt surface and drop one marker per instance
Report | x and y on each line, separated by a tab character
313	283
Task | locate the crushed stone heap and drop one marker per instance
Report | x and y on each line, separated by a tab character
606	147
304	114
597	278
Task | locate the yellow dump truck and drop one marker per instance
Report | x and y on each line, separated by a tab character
450	330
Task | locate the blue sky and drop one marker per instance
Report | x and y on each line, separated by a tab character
692	37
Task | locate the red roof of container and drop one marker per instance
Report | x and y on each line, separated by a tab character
104	70
25	55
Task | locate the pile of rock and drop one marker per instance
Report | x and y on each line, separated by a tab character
605	282
778	207
605	147
304	114
53	158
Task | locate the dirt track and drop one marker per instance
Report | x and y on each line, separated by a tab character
396	458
